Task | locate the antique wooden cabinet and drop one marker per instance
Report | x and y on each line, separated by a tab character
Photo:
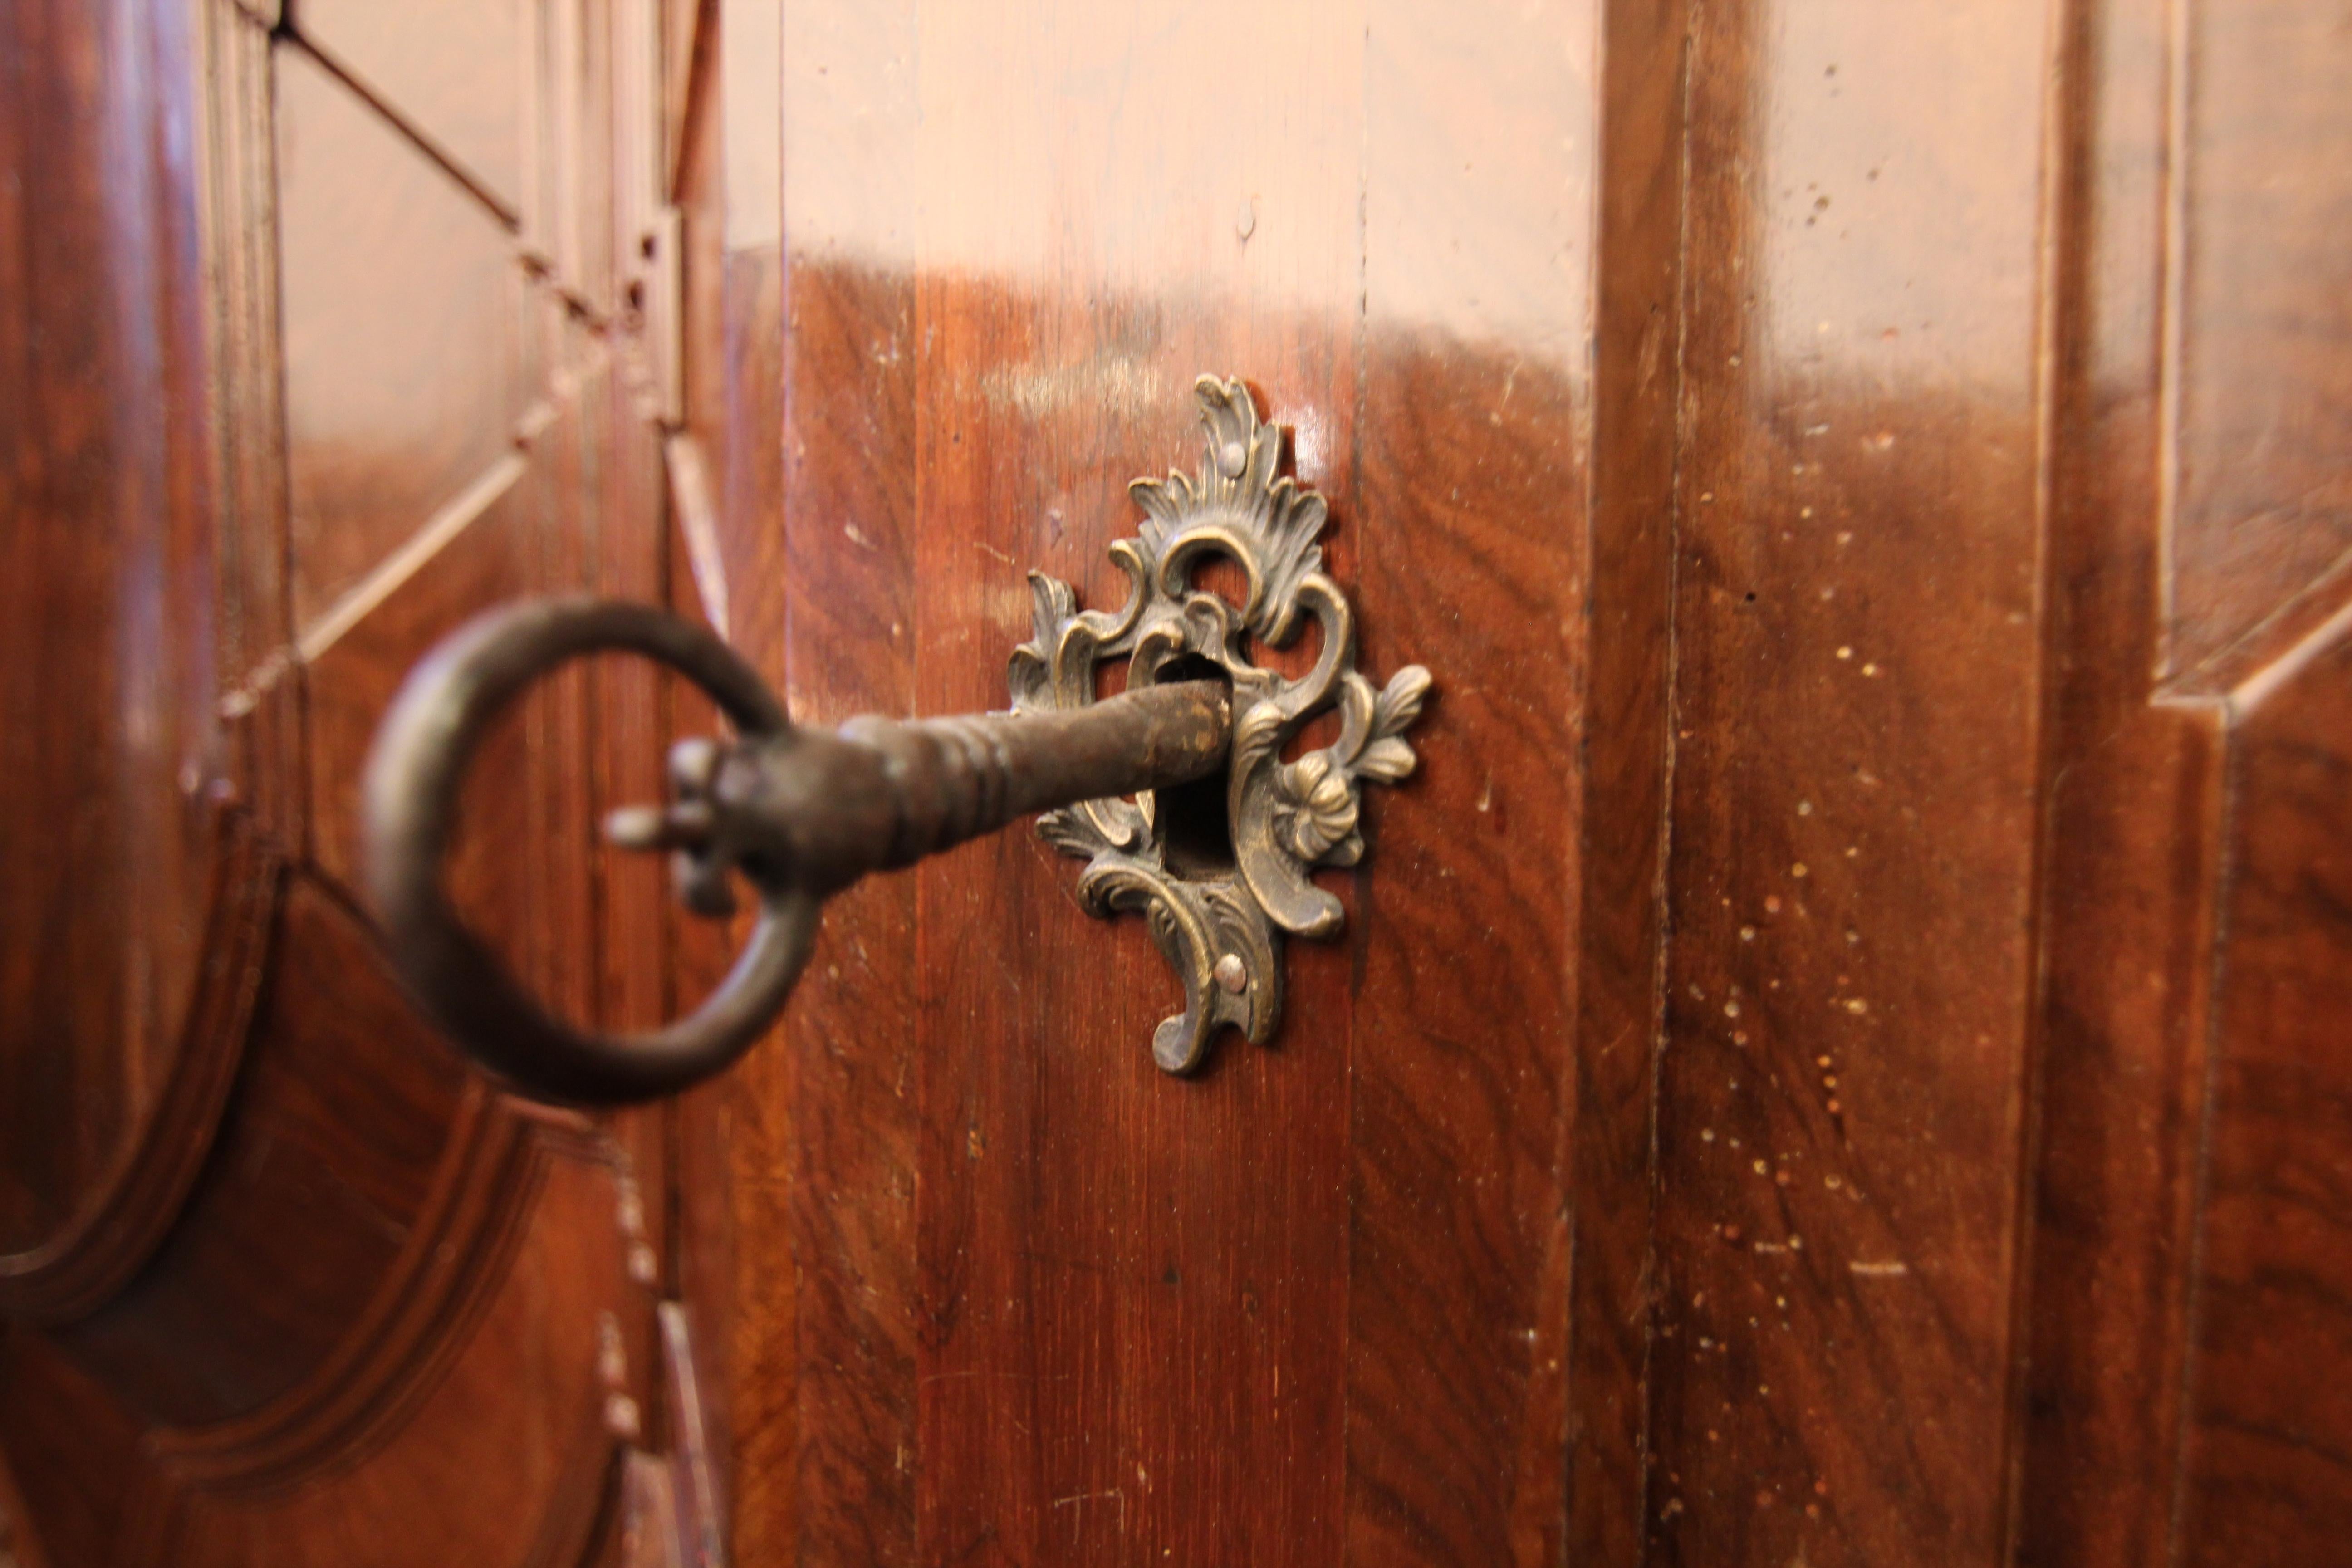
1840	1054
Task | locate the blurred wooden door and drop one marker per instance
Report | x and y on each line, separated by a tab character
324	329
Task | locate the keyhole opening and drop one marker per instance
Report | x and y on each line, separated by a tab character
1196	831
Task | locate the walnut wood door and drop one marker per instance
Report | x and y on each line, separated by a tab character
1837	1057
324	327
1838	1054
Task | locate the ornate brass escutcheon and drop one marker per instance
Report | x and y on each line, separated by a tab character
1220	926
1215	848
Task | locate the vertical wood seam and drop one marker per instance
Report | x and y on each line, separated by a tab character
2061	303
2171	331
1662	888
1359	932
2225	877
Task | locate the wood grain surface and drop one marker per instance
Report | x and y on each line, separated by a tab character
2192	583
834	577
309	1289
1625	750
1473	529
2133	816
1836	1058
2266	1467
114	609
1141	1305
1855	817
1855	507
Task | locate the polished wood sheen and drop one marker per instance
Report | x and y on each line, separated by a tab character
1854	820
284	1281
1169	1374
1838	1057
1835	1199
1474	529
111	598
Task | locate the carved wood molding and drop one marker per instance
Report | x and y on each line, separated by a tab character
363	1421
86	1264
422	1318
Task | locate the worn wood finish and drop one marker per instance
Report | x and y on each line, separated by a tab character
1962	1148
1623	749
1475	524
1133	1292
840	596
966	394
1834	1059
1969	1280
852	1045
1857	754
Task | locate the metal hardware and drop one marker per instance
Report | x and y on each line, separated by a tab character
1221	929
802	814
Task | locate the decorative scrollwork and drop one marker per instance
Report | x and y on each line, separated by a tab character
1221	927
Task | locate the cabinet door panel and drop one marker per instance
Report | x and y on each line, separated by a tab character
305	1288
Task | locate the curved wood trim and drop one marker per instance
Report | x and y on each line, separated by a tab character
417	1324
114	1234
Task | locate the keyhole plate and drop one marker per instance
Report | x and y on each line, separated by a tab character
1220	926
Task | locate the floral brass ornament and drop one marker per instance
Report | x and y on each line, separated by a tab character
1220	927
